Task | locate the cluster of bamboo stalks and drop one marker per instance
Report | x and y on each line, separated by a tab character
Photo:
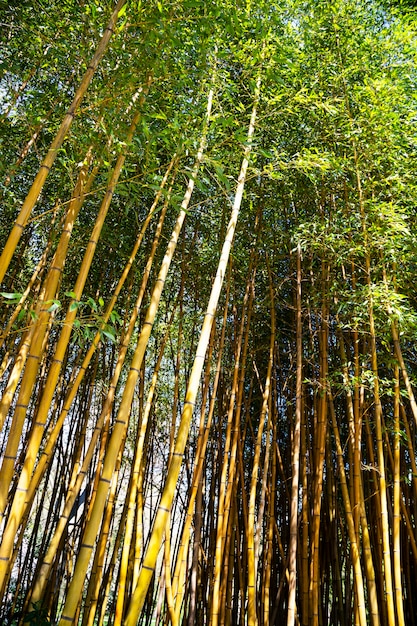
252	466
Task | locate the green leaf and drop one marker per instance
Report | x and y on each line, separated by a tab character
122	11
115	317
265	153
54	306
22	315
15	296
109	332
92	304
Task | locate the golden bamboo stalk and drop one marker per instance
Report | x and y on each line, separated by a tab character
148	567
48	161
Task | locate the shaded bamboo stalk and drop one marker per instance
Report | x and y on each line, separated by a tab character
250	544
295	455
354	546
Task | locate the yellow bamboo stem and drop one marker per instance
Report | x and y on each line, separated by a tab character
138	460
397	512
250	542
77	582
49	447
354	547
35	339
295	456
48	161
164	507
18	505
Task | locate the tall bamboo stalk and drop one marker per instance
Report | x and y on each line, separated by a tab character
37	344
48	161
75	588
295	456
164	507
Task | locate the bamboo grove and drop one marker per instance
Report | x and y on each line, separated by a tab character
208	313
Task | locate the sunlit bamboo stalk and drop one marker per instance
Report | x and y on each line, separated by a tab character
47	163
164	507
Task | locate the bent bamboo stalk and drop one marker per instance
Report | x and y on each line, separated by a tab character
149	563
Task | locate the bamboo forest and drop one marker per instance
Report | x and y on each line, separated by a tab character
208	312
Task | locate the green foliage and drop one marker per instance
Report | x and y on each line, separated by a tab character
38	616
